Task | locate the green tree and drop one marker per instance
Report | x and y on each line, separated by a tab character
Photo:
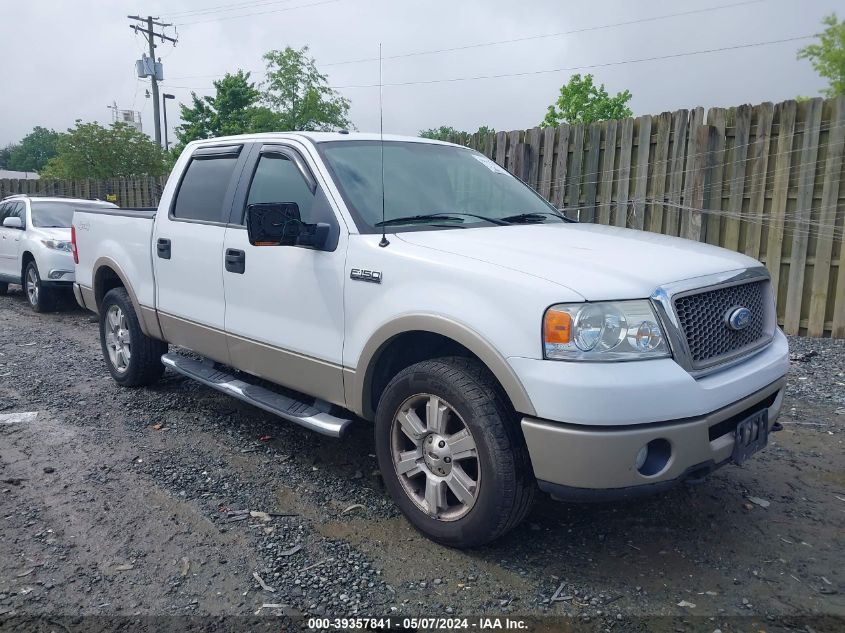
34	150
90	150
234	109
5	153
299	94
581	101
828	55
444	132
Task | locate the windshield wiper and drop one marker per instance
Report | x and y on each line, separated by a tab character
534	216
449	217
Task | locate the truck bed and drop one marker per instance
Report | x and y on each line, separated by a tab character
121	238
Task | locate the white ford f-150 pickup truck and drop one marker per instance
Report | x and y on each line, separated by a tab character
497	346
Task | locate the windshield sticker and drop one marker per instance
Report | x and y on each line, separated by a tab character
489	164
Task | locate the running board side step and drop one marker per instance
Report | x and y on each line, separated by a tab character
285	407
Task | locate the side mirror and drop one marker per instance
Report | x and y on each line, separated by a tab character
280	224
13	223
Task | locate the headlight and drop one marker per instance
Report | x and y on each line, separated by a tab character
58	245
607	330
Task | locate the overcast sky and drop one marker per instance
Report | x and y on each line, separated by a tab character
61	61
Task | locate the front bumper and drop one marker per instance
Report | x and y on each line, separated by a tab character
574	462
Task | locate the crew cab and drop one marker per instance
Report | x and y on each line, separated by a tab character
35	246
498	347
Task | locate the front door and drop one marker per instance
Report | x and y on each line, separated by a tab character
284	304
10	241
187	252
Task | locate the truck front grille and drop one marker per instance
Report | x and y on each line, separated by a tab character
702	317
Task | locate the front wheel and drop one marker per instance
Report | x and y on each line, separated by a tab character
133	358
41	298
451	452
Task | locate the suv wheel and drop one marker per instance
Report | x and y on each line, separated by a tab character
133	358
451	454
41	298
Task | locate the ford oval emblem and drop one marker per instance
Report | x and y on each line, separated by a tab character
738	318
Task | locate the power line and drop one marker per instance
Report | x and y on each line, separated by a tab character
518	39
247	15
527	38
224	8
587	67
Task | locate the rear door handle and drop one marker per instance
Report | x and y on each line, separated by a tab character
235	261
163	247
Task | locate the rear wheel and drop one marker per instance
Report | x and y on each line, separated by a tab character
133	358
41	298
451	453
4	287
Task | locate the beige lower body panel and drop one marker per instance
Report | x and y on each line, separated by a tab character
309	375
603	458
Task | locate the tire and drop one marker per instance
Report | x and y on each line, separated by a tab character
133	358
40	298
501	484
4	288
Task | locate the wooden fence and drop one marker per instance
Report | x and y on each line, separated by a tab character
762	180
126	192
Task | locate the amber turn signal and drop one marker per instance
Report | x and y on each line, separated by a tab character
557	327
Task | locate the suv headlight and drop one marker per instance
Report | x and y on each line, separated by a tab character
58	245
603	331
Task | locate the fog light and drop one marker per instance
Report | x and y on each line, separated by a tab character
653	458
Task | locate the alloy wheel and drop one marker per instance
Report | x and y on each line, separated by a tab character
118	339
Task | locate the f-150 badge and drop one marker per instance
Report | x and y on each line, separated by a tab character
373	276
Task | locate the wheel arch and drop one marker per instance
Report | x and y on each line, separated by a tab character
421	337
26	257
107	275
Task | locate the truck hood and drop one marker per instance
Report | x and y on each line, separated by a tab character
598	262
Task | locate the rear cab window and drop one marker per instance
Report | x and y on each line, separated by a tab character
204	184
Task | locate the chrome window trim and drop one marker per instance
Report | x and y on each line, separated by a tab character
663	301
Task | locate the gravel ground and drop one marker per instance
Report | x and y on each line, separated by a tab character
178	501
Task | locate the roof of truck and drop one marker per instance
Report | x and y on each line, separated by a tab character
321	137
20	196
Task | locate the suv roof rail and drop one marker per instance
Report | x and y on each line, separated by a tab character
15	195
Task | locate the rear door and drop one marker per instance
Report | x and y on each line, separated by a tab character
284	304
188	251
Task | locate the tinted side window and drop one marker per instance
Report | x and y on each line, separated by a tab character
203	189
277	179
17	210
4	212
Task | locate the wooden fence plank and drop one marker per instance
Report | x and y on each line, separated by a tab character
559	179
590	178
533	141
803	204
759	166
489	142
501	148
545	188
515	148
736	177
606	176
623	174
680	120
717	119
573	186
657	188
822	282
780	191
691	220
641	177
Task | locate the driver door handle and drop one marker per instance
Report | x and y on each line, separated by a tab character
235	261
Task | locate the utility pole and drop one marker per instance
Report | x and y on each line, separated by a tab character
150	34
165	97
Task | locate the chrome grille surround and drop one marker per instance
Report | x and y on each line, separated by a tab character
702	302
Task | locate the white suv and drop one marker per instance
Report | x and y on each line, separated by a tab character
35	247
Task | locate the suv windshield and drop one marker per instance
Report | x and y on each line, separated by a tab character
427	185
55	214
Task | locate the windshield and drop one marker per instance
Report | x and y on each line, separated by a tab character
55	214
451	186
